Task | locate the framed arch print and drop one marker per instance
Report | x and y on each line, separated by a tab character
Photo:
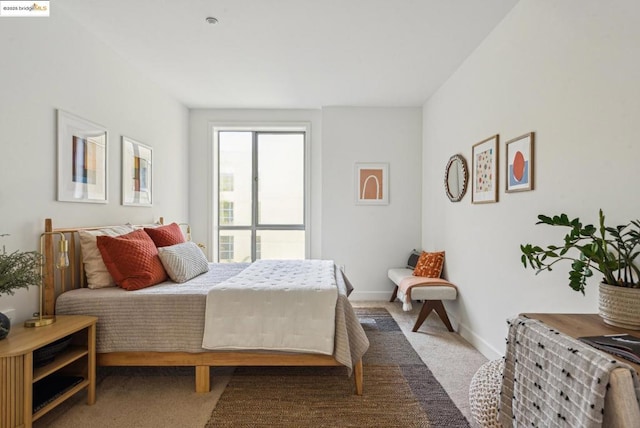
372	183
520	163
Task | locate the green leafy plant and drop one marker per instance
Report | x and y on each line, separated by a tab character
612	251
19	269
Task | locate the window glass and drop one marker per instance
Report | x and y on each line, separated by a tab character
261	195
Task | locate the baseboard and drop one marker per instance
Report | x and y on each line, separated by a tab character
479	343
469	335
370	295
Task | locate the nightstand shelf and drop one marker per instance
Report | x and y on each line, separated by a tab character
60	396
65	358
22	386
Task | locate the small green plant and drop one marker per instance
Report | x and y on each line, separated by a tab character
611	251
19	269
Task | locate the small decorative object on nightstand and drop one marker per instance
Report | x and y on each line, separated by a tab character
28	391
18	269
62	262
5	325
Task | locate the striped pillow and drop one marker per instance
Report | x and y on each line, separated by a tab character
183	261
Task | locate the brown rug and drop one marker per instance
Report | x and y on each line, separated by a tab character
399	390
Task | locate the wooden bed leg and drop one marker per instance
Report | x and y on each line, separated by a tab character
358	375
202	379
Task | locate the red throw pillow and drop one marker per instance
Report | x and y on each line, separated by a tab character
165	236
132	260
429	265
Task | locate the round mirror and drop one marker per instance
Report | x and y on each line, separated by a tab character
455	178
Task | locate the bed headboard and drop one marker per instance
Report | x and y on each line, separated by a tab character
57	281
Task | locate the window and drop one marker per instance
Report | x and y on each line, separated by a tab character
226	248
226	212
262	203
226	182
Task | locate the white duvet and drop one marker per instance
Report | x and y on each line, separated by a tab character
283	305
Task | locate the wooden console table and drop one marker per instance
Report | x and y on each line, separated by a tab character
579	325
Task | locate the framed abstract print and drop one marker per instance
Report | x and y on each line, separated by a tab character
137	173
520	163
372	183
82	160
484	171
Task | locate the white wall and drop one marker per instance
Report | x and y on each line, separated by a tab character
201	155
369	239
54	63
366	239
568	71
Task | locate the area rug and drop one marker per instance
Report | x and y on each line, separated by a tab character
399	390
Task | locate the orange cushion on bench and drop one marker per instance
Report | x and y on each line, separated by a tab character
429	264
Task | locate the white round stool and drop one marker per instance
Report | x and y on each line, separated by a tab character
484	394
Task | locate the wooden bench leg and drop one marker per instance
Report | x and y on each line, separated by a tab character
358	376
202	379
427	307
394	294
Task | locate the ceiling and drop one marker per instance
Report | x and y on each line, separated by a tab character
292	53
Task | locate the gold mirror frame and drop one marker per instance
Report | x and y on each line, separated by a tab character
456	174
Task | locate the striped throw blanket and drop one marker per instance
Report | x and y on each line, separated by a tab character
553	380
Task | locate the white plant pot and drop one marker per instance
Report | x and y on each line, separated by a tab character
620	306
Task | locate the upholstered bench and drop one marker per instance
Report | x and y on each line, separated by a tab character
430	290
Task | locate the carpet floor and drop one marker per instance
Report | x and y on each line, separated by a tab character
400	390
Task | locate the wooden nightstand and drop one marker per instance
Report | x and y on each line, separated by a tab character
18	377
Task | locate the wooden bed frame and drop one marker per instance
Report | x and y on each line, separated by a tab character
74	277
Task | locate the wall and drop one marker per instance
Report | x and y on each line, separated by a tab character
53	63
568	71
369	239
201	156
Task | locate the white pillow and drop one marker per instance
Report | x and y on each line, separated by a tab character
183	261
97	274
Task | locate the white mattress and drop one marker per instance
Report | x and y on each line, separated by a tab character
284	305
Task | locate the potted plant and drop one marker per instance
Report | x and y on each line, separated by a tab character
19	269
612	251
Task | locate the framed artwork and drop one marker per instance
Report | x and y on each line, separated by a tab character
520	164
82	160
484	171
372	183
137	173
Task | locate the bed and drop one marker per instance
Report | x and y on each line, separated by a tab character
163	325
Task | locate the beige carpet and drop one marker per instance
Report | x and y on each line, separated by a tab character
399	390
141	397
165	397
